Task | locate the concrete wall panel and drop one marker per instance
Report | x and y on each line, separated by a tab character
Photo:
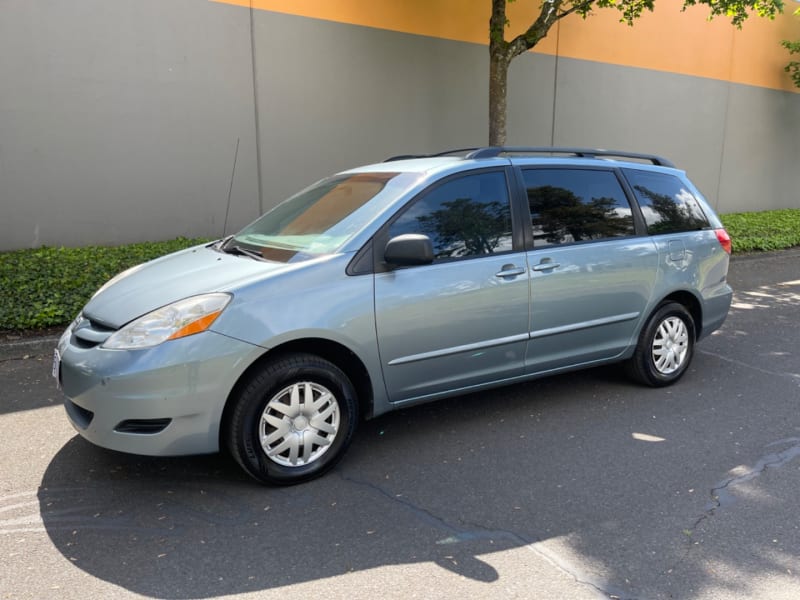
623	108
332	96
119	120
762	146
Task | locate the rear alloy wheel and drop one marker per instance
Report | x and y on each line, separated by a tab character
293	420
665	348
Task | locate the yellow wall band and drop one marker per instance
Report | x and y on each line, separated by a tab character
666	40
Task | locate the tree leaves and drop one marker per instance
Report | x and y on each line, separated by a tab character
44	287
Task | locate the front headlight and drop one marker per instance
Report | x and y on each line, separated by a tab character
176	320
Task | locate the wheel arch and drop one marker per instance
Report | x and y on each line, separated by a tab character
334	352
689	301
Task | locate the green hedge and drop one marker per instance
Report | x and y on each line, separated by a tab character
46	286
763	231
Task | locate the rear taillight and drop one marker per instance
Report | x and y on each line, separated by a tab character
724	239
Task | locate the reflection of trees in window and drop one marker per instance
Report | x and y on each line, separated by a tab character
464	227
671	214
564	217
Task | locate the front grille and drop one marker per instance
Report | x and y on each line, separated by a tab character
143	426
88	333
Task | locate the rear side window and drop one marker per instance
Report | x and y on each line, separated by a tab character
667	205
464	217
576	205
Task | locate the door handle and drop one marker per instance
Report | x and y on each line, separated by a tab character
510	271
545	265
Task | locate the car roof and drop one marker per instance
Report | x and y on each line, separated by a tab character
470	158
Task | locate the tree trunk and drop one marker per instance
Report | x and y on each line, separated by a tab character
498	90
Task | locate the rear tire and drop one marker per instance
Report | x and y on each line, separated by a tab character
293	420
665	347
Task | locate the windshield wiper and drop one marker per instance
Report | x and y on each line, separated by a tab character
234	249
220	243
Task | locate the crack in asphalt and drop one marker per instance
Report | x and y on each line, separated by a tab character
479	532
721	495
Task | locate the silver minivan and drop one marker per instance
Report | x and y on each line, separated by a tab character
394	284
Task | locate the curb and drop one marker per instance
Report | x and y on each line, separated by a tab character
27	348
749	256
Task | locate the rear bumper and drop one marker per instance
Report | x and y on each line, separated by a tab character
715	310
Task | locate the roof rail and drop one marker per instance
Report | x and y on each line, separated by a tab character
445	153
493	151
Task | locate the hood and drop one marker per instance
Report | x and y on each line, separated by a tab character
198	270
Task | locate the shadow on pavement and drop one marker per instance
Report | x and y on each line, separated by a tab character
558	467
634	492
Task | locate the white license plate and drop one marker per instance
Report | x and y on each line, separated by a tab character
56	366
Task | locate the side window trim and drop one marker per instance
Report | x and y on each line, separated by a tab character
640	229
638	218
381	237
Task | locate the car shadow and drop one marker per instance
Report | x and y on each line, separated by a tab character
544	465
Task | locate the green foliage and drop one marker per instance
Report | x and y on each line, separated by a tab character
44	287
47	287
793	68
763	231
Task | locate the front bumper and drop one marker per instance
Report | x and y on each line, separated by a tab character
162	401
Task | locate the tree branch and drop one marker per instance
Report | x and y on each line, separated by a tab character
548	15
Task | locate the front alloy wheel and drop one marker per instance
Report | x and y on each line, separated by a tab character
299	423
292	420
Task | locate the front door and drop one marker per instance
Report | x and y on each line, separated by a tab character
463	320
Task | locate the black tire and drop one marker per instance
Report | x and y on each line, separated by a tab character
665	347
271	406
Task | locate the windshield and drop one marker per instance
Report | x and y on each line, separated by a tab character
321	218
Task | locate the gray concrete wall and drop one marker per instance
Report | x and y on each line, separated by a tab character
357	95
119	120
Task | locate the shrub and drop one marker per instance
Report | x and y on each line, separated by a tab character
48	286
45	287
763	231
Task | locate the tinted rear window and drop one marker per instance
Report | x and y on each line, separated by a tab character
667	204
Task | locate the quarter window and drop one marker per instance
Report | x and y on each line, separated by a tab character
667	205
576	205
464	217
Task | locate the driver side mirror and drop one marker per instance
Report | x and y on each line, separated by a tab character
409	249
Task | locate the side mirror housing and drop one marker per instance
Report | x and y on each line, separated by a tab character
409	249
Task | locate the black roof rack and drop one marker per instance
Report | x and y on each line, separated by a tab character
445	153
493	151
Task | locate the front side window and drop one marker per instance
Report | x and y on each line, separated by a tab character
464	217
667	205
321	218
576	205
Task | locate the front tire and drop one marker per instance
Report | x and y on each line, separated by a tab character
293	420
665	347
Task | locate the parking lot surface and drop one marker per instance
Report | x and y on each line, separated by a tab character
577	486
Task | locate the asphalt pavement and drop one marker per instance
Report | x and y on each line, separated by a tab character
577	486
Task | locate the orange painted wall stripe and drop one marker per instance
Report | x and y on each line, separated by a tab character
666	40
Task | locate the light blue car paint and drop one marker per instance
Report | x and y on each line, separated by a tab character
418	333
